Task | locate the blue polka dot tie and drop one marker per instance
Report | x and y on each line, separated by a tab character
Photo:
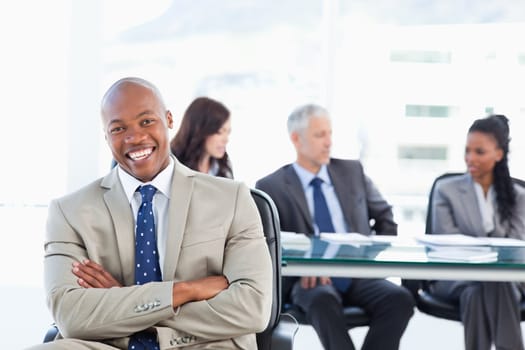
323	220
147	268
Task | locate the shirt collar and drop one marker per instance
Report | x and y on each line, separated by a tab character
481	195
214	167
162	181
306	176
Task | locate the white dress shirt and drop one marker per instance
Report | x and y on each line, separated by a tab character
336	213
486	206
160	202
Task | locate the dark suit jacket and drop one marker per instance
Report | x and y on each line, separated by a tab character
360	201
359	198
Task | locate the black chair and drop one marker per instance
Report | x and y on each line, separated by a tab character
426	301
281	329
355	316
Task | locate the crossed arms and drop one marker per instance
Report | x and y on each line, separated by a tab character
84	277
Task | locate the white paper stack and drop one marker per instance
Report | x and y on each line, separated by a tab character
451	240
352	238
454	254
292	240
465	240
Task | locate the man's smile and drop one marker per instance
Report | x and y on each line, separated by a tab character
140	154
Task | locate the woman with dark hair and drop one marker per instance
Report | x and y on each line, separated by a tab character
483	202
200	142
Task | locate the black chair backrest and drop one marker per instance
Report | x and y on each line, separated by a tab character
414	285
519	182
428	224
271	228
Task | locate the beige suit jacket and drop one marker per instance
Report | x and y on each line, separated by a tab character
213	228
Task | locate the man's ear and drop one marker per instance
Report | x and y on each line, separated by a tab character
294	136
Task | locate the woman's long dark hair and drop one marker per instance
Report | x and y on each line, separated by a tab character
497	125
203	117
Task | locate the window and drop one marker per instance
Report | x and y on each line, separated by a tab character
422	152
420	56
521	58
430	111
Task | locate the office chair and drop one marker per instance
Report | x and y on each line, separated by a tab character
354	315
281	329
420	289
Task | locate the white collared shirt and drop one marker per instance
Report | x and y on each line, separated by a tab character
336	213
214	167
160	202
486	207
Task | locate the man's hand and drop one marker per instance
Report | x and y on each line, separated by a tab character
310	282
196	290
92	275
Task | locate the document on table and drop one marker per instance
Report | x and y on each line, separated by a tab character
451	240
465	240
352	238
504	242
292	240
394	240
462	255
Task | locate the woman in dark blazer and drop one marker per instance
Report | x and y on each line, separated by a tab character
483	202
200	142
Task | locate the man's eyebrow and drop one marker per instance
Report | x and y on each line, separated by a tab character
140	115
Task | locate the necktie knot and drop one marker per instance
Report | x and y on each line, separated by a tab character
316	182
147	192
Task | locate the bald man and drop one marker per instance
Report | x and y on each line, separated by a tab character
214	287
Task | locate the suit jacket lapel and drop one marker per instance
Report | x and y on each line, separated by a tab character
123	223
470	205
343	191
180	197
297	193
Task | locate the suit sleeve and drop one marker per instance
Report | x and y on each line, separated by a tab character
443	220
518	221
379	210
94	313
245	306
115	313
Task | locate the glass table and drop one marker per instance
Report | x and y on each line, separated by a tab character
392	256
